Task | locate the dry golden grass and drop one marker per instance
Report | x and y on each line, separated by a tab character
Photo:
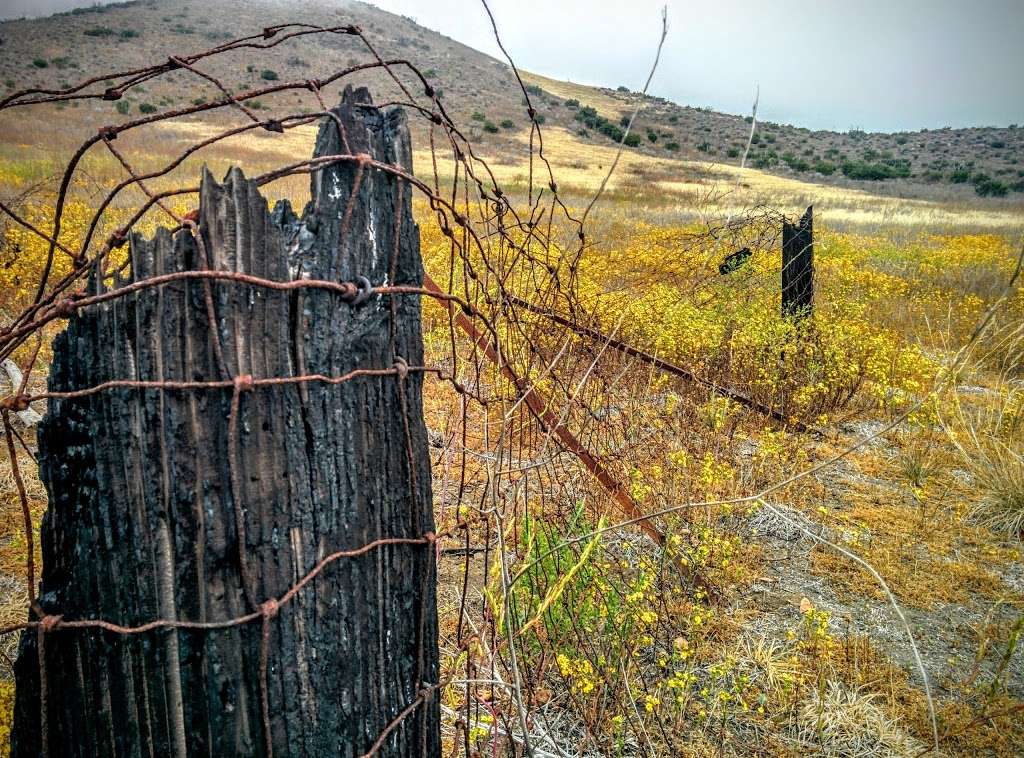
606	104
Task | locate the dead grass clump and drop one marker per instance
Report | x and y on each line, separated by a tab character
848	722
987	430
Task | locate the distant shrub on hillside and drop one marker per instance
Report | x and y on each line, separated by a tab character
988	187
672	146
490	127
632	140
128	34
268	74
960	175
865	171
825	168
147	108
99	31
478	116
123	107
508	124
572	103
40	63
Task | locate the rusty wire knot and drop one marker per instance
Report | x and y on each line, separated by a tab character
67	307
18	402
430	537
49	622
244	383
117	239
402	369
270	608
358	292
364	160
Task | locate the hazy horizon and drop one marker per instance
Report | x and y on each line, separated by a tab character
878	66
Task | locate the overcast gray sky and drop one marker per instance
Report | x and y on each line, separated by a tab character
833	64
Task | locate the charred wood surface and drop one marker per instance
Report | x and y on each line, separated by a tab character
141	523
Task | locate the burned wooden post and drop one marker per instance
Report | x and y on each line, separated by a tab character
798	266
205	505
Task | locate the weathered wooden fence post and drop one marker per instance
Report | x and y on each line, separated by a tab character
798	266
203	504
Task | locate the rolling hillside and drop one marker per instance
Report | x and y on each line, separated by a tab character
946	164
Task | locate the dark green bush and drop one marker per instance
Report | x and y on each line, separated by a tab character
40	63
478	116
99	31
268	74
147	108
490	127
991	188
672	146
960	175
632	140
825	168
508	124
862	170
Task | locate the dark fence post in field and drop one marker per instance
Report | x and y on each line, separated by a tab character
205	505
798	266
